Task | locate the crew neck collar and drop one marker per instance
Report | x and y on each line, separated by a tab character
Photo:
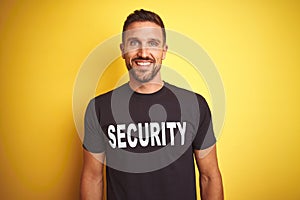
151	93
157	93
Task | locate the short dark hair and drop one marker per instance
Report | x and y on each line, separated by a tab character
144	16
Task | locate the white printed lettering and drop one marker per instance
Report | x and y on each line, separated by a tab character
146	134
121	135
171	126
132	143
112	141
154	131
144	142
163	134
182	130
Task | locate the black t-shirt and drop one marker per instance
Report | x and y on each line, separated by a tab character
149	140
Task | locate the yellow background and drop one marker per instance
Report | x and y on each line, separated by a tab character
254	44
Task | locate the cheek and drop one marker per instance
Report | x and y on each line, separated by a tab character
127	56
130	54
159	56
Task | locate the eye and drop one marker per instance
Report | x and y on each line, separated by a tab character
153	43
133	43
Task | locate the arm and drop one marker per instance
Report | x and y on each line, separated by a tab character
210	177
91	187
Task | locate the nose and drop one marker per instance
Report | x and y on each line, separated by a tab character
143	52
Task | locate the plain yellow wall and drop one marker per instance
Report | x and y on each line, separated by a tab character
254	44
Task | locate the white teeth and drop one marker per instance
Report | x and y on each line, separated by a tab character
143	63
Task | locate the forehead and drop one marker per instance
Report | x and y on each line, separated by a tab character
143	31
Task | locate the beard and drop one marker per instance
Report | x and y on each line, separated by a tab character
143	75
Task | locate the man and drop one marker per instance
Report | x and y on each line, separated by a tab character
148	130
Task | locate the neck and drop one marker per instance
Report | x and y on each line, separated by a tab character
146	88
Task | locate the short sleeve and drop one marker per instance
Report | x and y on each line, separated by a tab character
93	140
205	136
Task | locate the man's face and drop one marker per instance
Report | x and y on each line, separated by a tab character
143	50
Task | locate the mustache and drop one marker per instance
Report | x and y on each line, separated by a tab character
142	58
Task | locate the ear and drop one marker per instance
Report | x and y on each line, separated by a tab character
165	49
122	49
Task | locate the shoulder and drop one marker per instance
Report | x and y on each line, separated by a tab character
102	98
185	93
103	101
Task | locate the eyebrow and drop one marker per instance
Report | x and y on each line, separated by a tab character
151	39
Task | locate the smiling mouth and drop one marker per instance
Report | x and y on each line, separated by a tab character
142	63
